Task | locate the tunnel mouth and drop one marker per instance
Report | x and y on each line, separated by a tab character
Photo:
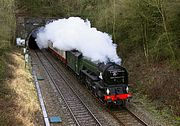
32	44
31	39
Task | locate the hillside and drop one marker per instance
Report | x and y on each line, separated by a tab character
18	101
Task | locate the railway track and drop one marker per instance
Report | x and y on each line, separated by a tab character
81	114
122	115
126	117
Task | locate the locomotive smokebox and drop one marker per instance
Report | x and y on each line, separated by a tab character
31	38
113	73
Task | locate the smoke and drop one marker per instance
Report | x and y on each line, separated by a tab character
75	33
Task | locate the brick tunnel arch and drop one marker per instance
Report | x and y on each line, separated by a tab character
31	39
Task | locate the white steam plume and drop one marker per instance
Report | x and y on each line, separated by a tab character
75	33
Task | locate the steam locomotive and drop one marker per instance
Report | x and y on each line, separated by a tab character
108	82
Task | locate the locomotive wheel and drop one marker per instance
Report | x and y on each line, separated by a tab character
98	94
95	93
87	86
82	78
91	89
88	81
123	103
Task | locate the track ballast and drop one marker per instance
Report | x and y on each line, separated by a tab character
81	114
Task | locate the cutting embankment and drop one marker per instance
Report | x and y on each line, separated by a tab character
18	101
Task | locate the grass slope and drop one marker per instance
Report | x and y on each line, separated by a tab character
19	104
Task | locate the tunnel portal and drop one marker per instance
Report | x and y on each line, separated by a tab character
31	38
32	43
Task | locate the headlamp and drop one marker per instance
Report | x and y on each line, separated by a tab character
107	91
127	89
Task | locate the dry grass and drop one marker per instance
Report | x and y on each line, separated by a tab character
19	103
18	100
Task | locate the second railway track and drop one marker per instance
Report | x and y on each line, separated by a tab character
126	117
81	114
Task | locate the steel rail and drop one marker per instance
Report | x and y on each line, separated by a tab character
134	121
47	72
75	118
137	118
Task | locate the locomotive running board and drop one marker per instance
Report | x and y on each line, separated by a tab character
94	78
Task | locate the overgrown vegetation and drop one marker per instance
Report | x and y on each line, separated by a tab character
7	31
7	24
18	100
